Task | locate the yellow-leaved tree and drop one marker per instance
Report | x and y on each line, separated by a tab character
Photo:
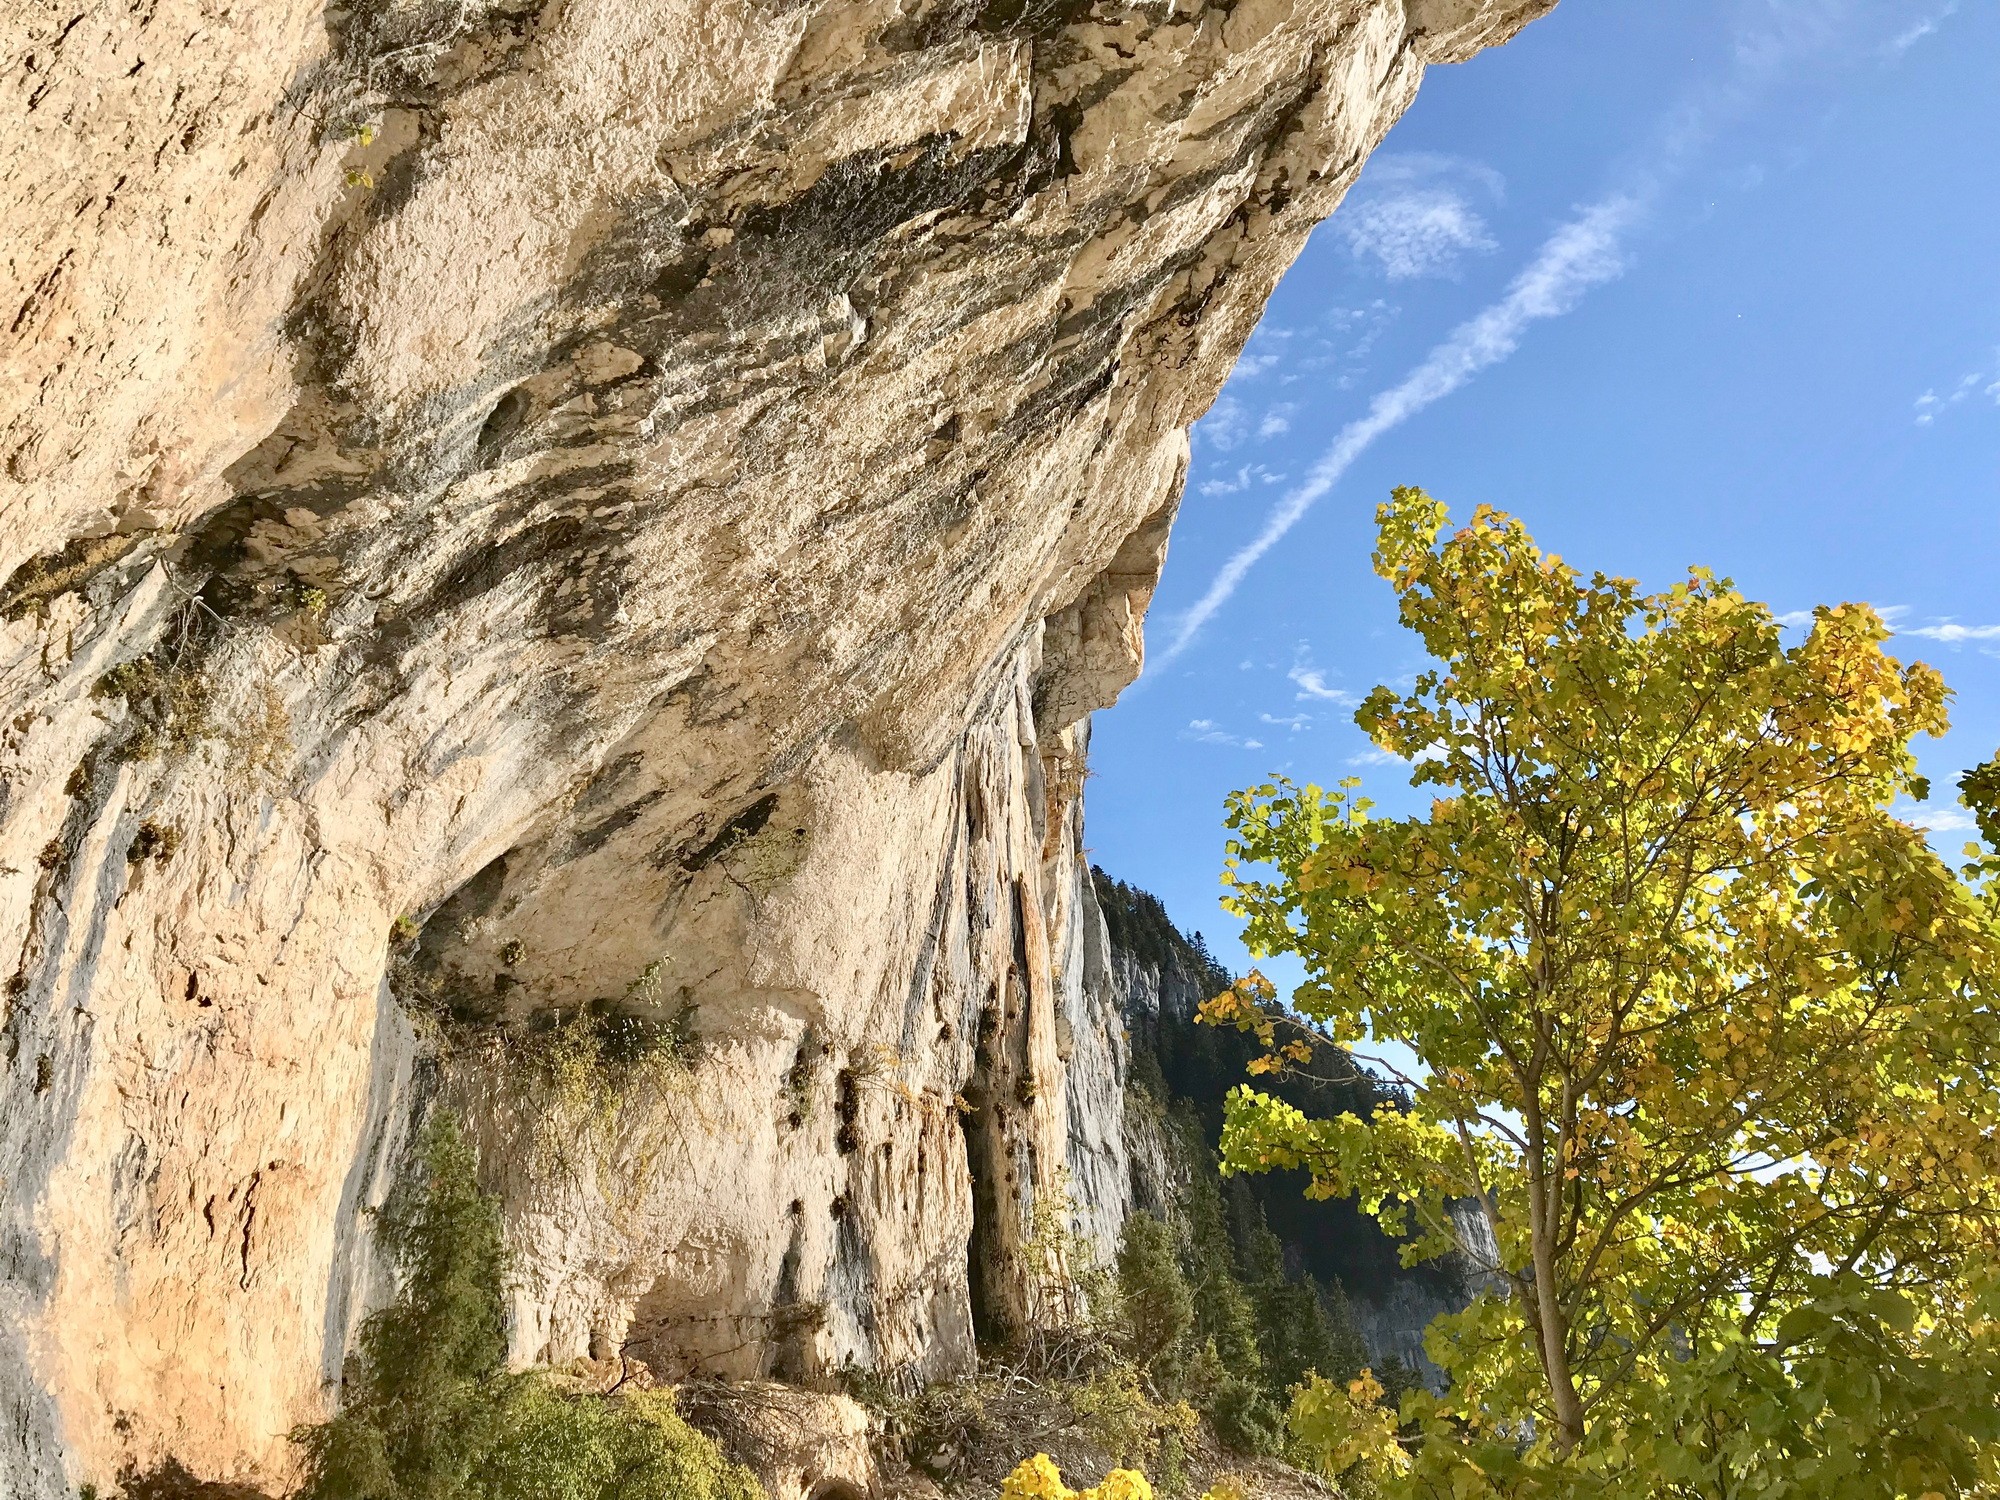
1706	1037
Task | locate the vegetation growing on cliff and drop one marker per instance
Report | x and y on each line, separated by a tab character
429	1411
1707	1032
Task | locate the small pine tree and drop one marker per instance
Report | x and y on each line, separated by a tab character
1158	1307
423	1396
1293	1334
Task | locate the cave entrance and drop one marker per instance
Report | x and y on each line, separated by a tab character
987	1163
988	1330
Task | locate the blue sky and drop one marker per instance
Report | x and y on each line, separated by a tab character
1714	282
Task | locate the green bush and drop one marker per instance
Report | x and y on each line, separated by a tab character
1245	1417
570	1447
429	1410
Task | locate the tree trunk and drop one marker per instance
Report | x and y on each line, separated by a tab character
1551	1327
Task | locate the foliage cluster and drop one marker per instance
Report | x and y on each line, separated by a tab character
1038	1478
585	1058
1707	1032
577	1066
429	1411
168	696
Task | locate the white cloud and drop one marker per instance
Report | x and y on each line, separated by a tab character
1295	722
1278	419
1904	40
1952	634
1380	757
1205	732
1582	254
1414	232
1265	349
1930	403
1225	426
1798	619
1245	476
1935	819
1312	684
1412	213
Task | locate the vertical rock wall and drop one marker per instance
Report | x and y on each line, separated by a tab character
643	493
898	1035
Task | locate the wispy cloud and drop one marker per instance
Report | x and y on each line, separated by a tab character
1953	634
1422	166
1311	683
1376	757
1904	40
1930	403
1265	349
1225	426
1412	213
1342	342
1245	476
1206	732
1294	722
1581	254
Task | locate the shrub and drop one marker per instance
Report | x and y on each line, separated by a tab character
1114	1408
429	1410
636	1447
1072	1299
1245	1418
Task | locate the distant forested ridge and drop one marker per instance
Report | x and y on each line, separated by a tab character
1186	1068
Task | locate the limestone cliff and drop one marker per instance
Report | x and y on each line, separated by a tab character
600	502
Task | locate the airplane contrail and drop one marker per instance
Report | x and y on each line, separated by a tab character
1583	253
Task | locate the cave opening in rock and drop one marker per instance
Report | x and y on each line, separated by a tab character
977	1253
502	422
986	1165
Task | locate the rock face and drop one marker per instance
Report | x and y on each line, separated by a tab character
616	502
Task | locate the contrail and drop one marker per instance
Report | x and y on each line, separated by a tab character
1580	255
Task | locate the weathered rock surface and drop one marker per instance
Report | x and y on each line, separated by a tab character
647	491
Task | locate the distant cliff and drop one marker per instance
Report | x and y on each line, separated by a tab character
1162	974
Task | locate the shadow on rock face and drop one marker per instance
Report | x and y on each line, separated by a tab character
172	1480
